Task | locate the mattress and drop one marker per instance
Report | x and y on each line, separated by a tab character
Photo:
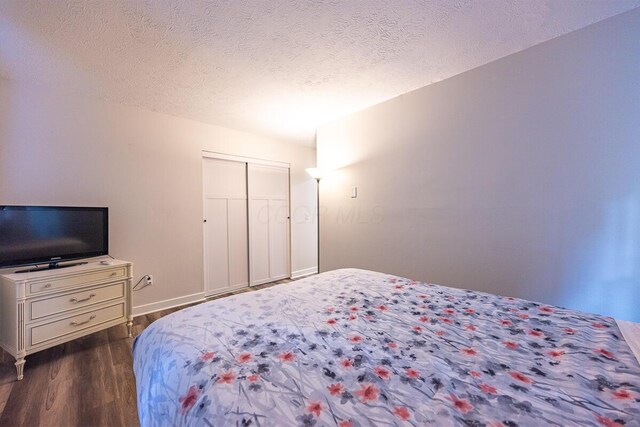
353	347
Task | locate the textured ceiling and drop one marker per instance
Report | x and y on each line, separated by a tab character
275	67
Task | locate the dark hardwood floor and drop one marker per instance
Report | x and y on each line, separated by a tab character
85	382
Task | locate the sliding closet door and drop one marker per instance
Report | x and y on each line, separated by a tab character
268	223
225	228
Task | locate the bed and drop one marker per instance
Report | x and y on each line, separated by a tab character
353	347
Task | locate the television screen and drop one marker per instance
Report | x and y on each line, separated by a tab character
50	234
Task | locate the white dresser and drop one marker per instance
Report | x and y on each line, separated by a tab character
46	308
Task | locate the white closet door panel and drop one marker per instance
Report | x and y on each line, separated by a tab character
216	245
225	178
259	237
278	238
225	213
269	223
238	243
269	182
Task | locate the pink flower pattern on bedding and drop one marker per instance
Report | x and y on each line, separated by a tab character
354	348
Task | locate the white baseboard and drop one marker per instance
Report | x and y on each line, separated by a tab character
168	303
305	272
199	297
225	291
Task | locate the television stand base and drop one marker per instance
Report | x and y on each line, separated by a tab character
51	266
47	308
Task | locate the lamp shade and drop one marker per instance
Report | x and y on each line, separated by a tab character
316	173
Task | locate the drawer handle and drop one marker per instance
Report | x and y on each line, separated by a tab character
114	274
74	323
47	286
84	299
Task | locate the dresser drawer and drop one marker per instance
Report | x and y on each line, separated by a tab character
77	280
54	330
59	304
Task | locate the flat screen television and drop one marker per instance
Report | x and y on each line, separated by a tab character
32	235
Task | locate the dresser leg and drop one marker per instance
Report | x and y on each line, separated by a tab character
129	327
20	367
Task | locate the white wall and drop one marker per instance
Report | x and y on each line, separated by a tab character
521	177
147	168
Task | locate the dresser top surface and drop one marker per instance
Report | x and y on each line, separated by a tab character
92	265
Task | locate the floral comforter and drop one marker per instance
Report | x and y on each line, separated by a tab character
355	348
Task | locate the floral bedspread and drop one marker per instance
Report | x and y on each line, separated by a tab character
355	348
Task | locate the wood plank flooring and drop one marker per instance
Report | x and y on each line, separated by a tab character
85	382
